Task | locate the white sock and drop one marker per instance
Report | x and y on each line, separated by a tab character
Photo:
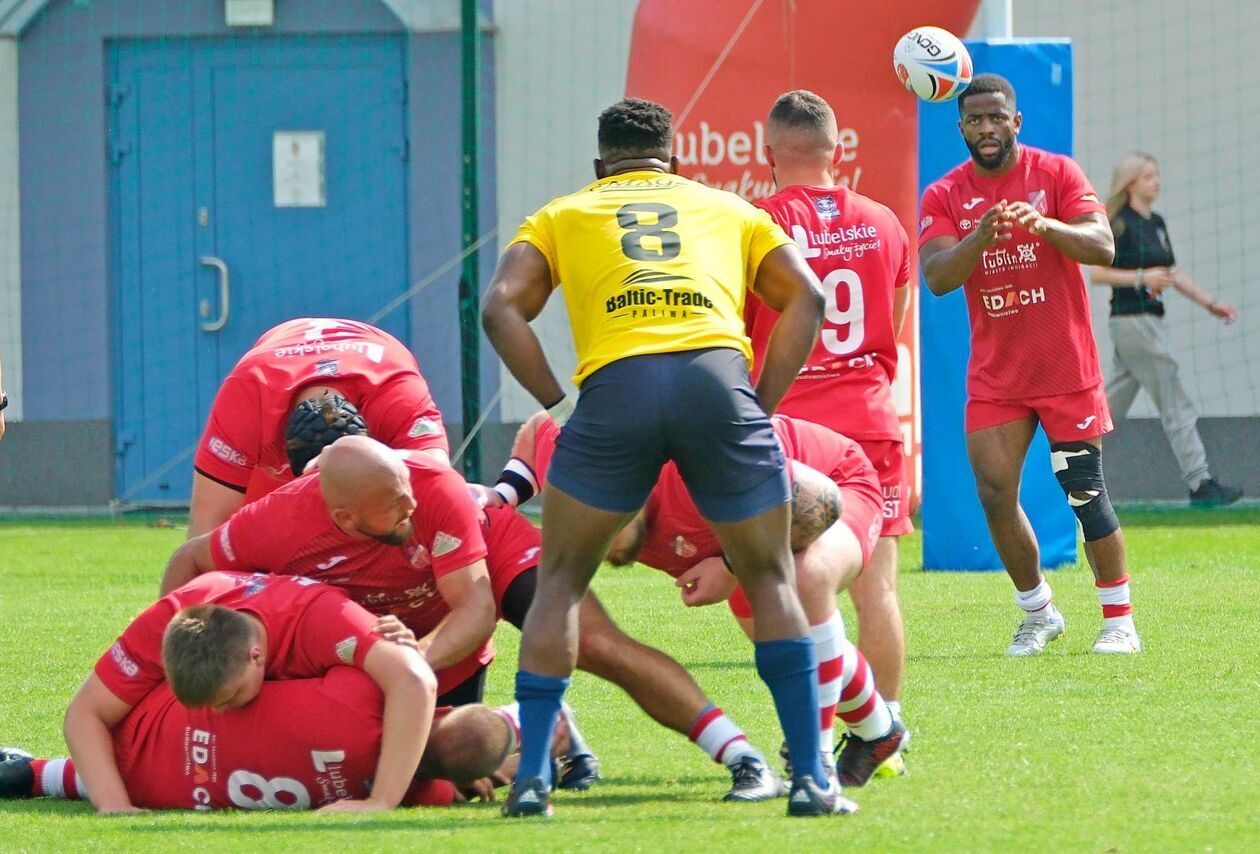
1036	599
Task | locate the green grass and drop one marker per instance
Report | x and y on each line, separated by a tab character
1066	752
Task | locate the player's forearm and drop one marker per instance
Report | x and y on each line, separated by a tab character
519	348
408	715
460	634
1084	242
92	750
180	569
791	341
946	269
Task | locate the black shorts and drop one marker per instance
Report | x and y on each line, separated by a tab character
696	408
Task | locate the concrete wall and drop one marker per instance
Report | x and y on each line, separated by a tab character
560	62
55	279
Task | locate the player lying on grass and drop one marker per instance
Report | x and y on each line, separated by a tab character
300	744
388	580
215	640
837	518
399	536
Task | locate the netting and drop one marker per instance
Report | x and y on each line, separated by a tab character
1169	77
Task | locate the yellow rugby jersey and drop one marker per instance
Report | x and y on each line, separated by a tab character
651	263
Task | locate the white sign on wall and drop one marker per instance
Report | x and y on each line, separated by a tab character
297	168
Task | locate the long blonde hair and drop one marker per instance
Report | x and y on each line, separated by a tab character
1127	170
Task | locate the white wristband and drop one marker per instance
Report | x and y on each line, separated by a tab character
561	411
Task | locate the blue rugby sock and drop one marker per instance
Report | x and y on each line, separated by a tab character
539	698
790	670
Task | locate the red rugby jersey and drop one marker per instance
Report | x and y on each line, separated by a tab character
243	445
1030	324
860	253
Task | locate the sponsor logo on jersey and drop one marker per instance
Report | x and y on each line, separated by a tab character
681	547
417	555
640	301
530	556
1037	198
1003	259
420	595
1009	301
327	368
423	426
846	243
375	353
331	562
826	206
256	584
225	542
924	223
120	657
971	204
226	452
199	763
345	649
1084	425
444	543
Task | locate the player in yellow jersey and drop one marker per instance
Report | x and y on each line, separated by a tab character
654	270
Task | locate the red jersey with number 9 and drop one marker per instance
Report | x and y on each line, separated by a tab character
861	254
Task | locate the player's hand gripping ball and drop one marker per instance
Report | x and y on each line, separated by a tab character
932	63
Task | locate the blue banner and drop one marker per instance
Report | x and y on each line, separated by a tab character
955	536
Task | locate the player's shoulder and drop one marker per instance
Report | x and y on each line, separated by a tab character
1049	162
952	180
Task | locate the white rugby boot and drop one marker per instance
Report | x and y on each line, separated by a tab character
1118	640
1036	631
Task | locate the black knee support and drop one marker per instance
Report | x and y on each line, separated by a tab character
1078	466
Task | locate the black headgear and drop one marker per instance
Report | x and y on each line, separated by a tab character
316	424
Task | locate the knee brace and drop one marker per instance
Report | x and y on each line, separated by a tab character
1078	466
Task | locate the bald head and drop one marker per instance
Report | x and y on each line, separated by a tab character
367	489
801	134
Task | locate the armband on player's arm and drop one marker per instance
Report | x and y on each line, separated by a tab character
517	482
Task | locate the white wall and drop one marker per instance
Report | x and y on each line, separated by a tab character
10	258
558	63
1181	80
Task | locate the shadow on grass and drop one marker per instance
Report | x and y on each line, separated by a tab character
1158	516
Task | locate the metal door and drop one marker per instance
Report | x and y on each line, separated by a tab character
253	180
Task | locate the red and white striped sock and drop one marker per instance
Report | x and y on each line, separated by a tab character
861	707
827	637
716	734
1114	598
56	778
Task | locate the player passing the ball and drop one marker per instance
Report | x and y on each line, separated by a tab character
1012	225
655	269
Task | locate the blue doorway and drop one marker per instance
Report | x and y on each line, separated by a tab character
252	181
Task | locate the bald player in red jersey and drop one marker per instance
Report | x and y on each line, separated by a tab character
297	628
300	744
398	532
671	535
860	252
1012	225
243	453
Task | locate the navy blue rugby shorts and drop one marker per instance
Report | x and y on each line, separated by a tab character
695	407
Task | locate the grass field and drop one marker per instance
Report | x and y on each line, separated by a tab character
1066	752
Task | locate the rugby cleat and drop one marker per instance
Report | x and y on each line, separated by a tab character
1118	640
527	799
752	780
17	780
1036	631
576	773
808	799
857	759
